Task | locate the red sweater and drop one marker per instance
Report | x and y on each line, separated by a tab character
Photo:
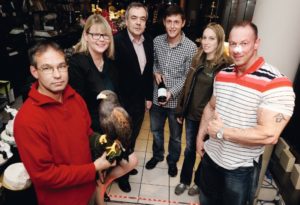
52	140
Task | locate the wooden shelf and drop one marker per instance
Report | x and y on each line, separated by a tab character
290	195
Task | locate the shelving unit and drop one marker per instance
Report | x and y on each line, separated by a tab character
283	181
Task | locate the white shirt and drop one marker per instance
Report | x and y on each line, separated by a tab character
139	50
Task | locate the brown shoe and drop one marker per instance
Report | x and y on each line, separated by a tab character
194	190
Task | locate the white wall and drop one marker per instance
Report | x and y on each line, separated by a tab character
278	23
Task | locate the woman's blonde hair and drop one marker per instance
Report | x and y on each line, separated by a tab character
220	54
96	19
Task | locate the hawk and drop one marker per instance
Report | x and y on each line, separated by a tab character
116	128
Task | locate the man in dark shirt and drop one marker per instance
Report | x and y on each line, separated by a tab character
134	62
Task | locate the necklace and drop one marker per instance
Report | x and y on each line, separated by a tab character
100	67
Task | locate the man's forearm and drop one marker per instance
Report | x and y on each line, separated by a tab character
267	131
208	113
249	136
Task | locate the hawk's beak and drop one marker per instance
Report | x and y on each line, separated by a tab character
101	96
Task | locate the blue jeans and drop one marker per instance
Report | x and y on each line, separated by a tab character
158	117
219	186
191	130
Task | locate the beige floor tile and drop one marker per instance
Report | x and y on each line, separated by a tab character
145	126
141	158
167	135
140	145
144	134
117	195
156	176
149	145
153	194
146	122
138	177
175	180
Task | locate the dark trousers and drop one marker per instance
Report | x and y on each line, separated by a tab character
158	117
219	186
137	117
191	130
136	114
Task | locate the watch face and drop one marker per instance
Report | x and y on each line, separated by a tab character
219	135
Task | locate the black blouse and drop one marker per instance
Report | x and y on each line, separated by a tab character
88	81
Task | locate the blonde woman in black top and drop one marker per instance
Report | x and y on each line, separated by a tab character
91	67
91	71
196	92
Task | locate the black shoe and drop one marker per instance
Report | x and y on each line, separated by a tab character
172	171
106	197
152	163
133	172
124	185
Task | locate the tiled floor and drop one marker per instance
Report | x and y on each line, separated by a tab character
151	186
155	186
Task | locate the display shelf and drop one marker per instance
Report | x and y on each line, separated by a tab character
9	197
290	195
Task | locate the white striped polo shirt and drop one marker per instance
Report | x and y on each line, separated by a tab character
237	101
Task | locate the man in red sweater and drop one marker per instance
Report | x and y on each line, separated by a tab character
52	132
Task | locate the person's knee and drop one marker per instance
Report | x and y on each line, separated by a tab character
156	126
133	161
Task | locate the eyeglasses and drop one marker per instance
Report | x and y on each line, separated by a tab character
97	36
47	69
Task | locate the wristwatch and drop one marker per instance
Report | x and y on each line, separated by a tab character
220	133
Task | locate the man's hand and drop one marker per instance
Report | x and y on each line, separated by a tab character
148	105
179	120
200	146
102	163
169	95
214	125
158	77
